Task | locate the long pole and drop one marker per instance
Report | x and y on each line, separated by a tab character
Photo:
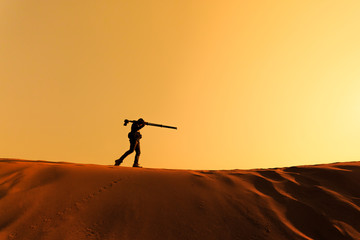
150	124
160	125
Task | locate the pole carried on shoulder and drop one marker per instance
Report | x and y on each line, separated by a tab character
150	124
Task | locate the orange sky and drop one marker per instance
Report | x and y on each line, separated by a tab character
249	84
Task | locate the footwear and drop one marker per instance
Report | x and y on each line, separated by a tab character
137	165
117	162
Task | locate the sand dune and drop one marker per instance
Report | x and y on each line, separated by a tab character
46	200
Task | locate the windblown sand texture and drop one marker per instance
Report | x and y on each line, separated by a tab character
46	200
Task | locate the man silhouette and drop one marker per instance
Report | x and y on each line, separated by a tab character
134	138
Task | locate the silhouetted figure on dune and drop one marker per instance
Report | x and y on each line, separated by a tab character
134	138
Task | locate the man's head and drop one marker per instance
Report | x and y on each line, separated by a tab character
141	121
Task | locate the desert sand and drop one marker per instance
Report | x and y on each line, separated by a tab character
47	200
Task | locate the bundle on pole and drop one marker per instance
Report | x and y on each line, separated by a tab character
150	124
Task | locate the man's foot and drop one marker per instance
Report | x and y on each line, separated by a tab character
117	162
137	165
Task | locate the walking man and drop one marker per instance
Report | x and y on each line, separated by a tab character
134	138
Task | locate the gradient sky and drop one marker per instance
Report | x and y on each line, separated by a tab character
249	84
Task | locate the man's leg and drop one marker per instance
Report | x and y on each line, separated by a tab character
137	155
131	150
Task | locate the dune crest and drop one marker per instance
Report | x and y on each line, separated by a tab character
47	200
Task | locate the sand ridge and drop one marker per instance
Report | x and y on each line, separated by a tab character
47	200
